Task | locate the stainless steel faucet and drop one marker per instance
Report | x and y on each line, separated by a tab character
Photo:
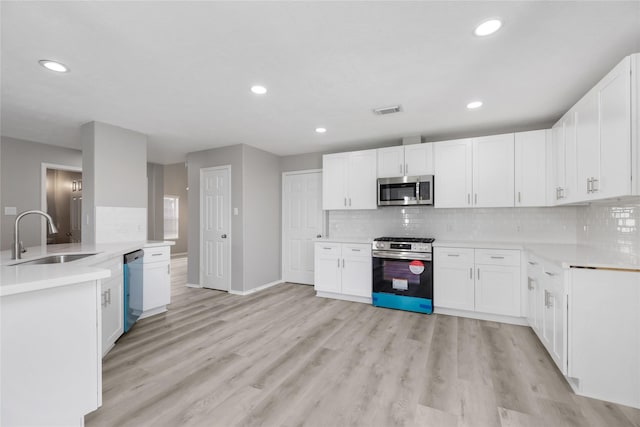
17	250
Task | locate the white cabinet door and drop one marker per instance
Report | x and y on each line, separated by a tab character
356	270
530	168
361	179
493	171
453	278
587	144
615	137
112	311
453	173
334	181
497	289
157	285
534	294
390	162
554	308
418	159
328	267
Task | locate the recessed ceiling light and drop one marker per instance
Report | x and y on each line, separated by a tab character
321	130
53	66
259	90
488	27
474	104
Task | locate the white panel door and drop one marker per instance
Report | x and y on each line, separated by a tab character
453	278
530	168
357	270
215	228
418	159
328	274
301	223
334	181
493	171
587	144
390	162
453	173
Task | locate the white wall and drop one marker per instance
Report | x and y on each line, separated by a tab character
20	170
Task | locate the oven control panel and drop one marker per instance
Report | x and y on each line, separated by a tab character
402	246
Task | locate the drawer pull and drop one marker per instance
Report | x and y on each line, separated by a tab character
549	274
326	249
453	254
355	250
497	257
157	254
532	263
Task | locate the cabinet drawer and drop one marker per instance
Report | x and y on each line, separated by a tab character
157	254
353	250
328	249
455	256
498	257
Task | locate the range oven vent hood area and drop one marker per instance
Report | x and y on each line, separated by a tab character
406	191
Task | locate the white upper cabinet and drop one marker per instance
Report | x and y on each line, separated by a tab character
349	180
453	173
493	171
530	168
564	159
415	159
477	172
603	136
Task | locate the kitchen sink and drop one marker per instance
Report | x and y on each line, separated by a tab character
55	259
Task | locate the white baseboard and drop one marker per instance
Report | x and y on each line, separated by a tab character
482	316
259	288
364	300
193	285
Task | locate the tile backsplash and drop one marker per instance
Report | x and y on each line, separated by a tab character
553	225
611	225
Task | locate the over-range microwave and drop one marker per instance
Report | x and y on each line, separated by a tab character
405	191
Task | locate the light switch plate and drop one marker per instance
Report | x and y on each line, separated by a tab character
235	211
10	210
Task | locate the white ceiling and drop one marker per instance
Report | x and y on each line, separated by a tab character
180	72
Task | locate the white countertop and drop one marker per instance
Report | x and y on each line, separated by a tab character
562	254
367	240
15	278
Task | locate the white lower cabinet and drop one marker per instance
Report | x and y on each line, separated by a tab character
343	270
111	303
156	289
479	280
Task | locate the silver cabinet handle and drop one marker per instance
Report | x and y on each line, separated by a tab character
588	185
529	284
400	168
475	199
338	262
594	187
468	198
326	248
453	254
109	296
342	262
532	263
349	201
104	298
470	273
497	257
549	274
478	273
168	268
355	250
406	169
345	201
157	254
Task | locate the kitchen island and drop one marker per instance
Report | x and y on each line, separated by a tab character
51	333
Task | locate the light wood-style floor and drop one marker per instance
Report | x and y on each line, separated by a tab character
283	357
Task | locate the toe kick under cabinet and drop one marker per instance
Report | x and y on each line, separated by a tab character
478	283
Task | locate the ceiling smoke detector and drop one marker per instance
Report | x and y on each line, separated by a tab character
388	110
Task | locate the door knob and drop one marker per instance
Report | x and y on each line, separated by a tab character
318	236
224	236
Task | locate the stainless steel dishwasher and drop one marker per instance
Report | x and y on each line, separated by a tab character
133	287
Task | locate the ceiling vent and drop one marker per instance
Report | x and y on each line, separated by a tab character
388	110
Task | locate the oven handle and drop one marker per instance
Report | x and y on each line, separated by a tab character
396	255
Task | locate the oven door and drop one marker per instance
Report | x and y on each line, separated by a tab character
403	274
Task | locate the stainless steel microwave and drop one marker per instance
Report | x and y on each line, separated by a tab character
405	191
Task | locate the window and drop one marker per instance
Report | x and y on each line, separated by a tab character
171	208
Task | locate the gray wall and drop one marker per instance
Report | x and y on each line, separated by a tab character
20	171
203	159
301	162
155	201
115	171
175	184
261	196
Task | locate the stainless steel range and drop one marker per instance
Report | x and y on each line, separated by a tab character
403	273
